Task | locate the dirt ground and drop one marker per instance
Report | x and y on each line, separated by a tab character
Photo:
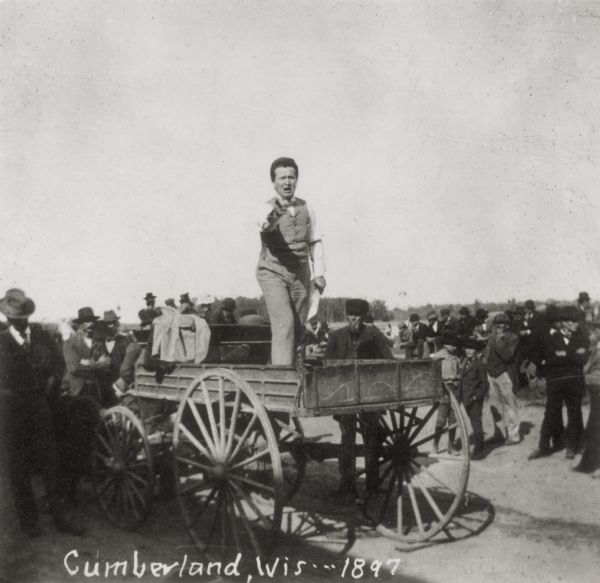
532	521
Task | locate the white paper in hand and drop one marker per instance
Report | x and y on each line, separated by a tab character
313	302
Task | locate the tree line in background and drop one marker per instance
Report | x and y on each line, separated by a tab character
334	309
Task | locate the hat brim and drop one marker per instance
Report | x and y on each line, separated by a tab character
92	319
26	309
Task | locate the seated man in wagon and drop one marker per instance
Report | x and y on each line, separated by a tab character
357	341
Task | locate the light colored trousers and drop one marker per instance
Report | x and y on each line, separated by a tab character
503	398
287	303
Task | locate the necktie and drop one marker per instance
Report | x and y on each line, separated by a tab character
26	343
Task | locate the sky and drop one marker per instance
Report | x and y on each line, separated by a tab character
450	149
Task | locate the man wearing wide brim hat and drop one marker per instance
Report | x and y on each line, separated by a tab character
85	315
150	300
501	362
565	355
357	341
31	370
77	350
110	347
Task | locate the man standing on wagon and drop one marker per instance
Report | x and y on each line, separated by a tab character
291	257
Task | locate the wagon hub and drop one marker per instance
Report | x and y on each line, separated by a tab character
402	452
116	465
218	472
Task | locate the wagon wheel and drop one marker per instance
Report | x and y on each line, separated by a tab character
290	438
419	490
122	470
227	467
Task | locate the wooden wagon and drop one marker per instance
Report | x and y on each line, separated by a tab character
232	436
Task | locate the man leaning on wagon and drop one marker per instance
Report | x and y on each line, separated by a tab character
357	341
291	244
31	368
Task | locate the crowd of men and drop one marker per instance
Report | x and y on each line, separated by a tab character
53	389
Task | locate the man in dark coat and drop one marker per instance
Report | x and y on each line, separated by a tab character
465	324
31	367
109	347
225	315
435	331
357	341
418	334
473	388
565	355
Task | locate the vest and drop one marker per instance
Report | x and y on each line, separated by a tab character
285	248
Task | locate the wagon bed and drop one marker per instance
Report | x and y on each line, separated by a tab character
335	387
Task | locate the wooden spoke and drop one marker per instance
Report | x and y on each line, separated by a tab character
395	421
261	454
234	416
136	491
194	463
420	496
207	438
196	443
223	423
242	481
248	498
411	420
428	497
139	479
110	481
104	443
247	526
211	415
423	422
415	506
436	434
124	480
127	489
253	483
234	526
425	469
203	505
244	436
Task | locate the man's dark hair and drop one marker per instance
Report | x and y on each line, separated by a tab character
283	163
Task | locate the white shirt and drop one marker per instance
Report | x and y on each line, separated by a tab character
17	335
110	344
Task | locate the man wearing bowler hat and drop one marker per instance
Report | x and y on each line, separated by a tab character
31	369
291	256
357	341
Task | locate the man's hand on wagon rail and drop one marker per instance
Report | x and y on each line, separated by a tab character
320	283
